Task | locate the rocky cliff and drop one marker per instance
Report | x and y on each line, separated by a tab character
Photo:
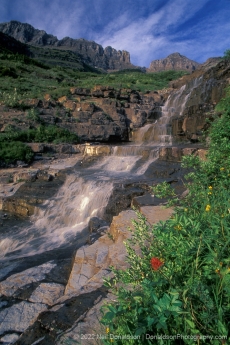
101	114
106	114
196	96
174	61
89	51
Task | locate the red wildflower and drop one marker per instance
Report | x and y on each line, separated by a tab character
156	263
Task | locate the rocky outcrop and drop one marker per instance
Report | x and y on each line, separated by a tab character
195	98
30	189
175	154
108	115
175	61
101	114
89	52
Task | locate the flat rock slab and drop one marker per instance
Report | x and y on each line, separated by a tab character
97	258
154	214
91	263
47	293
89	331
20	316
17	281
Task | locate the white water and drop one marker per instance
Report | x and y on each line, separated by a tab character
80	198
61	218
159	133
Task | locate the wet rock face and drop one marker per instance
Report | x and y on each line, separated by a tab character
200	92
175	62
111	114
38	187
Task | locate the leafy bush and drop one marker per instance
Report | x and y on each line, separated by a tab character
33	115
41	134
178	280
12	151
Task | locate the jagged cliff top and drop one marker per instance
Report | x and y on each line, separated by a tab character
90	52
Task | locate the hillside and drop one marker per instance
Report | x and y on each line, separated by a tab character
88	52
81	53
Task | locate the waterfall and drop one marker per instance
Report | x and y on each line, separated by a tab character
177	100
86	193
160	132
61	218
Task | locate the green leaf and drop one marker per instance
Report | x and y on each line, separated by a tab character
190	323
109	316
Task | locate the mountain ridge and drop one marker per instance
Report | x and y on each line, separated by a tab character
87	52
90	52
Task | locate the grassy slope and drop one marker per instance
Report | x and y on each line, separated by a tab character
33	79
55	71
22	77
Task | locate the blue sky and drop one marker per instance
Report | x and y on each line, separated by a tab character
148	29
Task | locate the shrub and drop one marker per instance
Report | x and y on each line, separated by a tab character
41	134
33	115
12	151
178	280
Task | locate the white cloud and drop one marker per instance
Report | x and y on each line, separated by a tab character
147	34
149	38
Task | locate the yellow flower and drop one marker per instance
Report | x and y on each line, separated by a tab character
107	330
178	227
221	169
208	207
210	187
186	210
217	270
209	193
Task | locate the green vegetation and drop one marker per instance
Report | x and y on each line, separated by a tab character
178	280
12	147
12	151
22	77
48	134
135	80
227	54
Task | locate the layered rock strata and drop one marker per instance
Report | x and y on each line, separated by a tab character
102	114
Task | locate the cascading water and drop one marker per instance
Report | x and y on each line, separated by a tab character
159	133
85	195
60	218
